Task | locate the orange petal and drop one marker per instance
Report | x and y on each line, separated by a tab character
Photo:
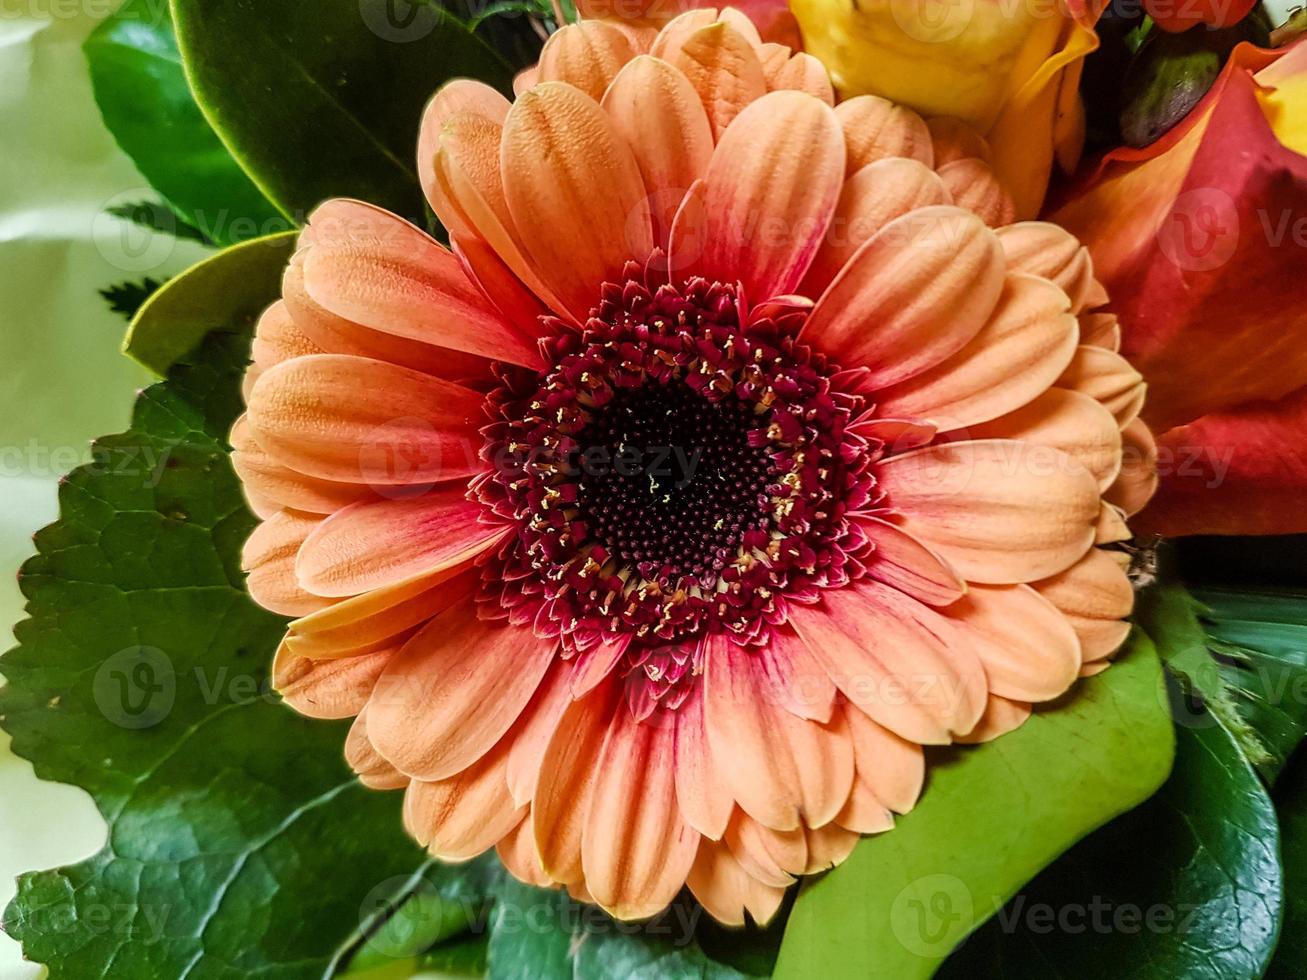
793	679
276	339
373	770
373	268
1021	350
667	45
915	293
458	95
517	852
575	193
999	512
1108	378
1095	595
774	857
454	690
1100	330
636	848
355	420
802	73
1028	647
374	544
1044	249
1065	420
875	128
897	659
828	846
1001	716
727	891
1139	478
658	112
952	139
593	666
869	200
902	561
532	735
769	194
269	557
889	774
704	800
587	55
566	782
973	186
327	688
781	769
262	475
457	818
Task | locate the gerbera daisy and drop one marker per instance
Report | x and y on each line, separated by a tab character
734	450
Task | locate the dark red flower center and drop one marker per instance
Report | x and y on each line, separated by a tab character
685	465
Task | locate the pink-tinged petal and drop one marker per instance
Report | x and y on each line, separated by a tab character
361	755
1239	472
1193	239
1112	527
1024	346
1067	420
828	846
375	544
336	335
587	55
781	769
1001	716
268	479
973	186
999	512
952	139
457	818
913	294
724	69
574	192
727	891
667	45
899	435
375	619
532	735
354	420
1096	596
636	848
774	857
902	561
771	189
1139	477
793	679
566	782
1108	378
458	95
454	690
659	115
875	128
897	659
370	267
889	773
869	200
689	230
525	80
1028	647
1043	249
1101	330
592	666
269	557
519	305
802	72
705	802
517	852
327	688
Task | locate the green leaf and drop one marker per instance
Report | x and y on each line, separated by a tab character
1291	804
139	85
149	214
232	288
326	102
990	818
126	298
1186	885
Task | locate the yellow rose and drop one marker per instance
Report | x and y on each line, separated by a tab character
1010	68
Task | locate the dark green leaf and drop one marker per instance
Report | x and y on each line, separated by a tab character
156	217
139	85
1291	804
325	101
991	817
126	298
1186	885
231	288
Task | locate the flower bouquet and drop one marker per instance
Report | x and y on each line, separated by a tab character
641	490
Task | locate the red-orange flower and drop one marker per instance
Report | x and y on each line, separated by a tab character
1201	240
728	458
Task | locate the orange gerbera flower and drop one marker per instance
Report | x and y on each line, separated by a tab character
729	457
